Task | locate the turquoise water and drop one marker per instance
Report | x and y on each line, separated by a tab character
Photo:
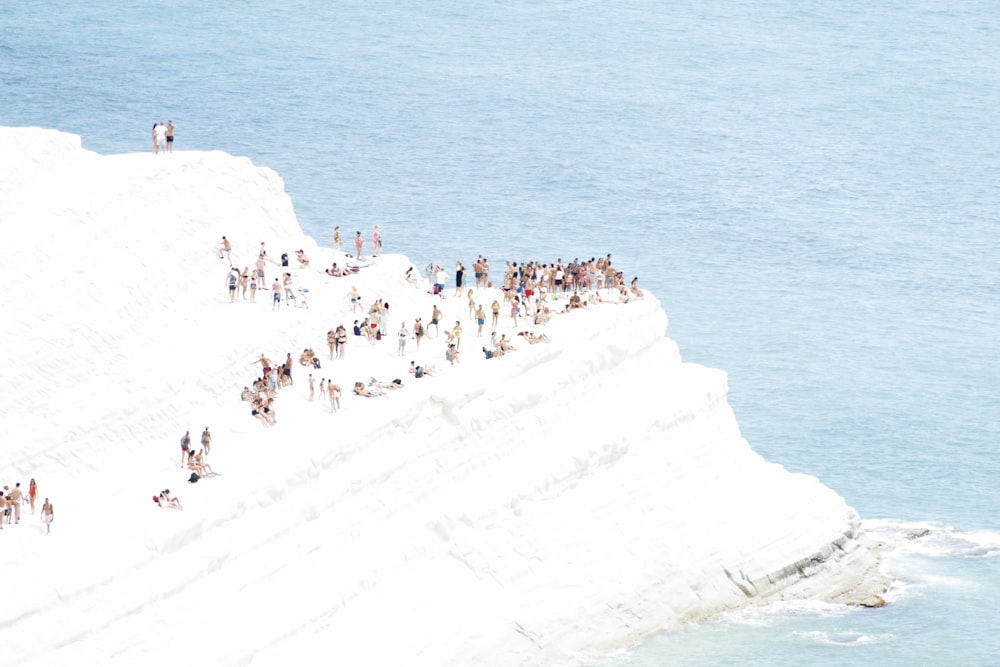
810	188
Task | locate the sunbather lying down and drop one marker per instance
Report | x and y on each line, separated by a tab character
361	390
532	338
378	384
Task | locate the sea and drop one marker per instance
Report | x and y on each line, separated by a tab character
809	187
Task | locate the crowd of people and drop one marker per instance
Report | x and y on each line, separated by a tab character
529	293
13	500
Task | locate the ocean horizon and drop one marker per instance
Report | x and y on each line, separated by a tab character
809	189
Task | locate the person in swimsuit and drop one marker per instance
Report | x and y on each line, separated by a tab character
341	341
16	500
418	332
376	241
336	238
185	445
170	136
206	441
225	248
194	465
48	516
355	299
258	413
232	280
635	287
200	460
164	500
459	275
435	317
32	493
358	243
402	335
480	320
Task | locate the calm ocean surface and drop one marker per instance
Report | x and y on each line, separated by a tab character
809	187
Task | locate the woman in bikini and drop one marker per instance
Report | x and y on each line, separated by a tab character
200	459
194	465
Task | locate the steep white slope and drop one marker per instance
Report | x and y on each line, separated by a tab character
568	498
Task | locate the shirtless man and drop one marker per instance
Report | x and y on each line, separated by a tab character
265	364
355	299
225	248
276	295
170	136
334	391
16	498
435	318
48	514
480	320
286	372
259	265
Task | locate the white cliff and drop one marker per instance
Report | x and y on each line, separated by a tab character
567	499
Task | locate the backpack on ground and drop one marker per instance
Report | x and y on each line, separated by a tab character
193	478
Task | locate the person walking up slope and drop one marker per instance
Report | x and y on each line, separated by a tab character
48	515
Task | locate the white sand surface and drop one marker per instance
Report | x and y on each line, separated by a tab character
565	500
